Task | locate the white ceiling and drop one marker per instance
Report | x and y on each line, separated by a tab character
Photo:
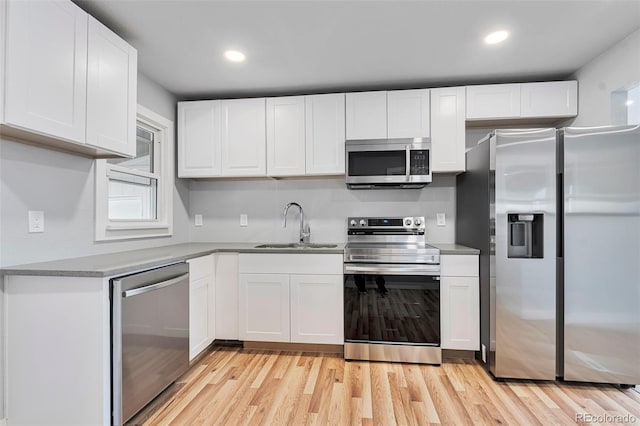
321	46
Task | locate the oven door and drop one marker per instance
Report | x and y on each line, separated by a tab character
391	316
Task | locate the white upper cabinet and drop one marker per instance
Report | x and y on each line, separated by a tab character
550	99
199	148
286	136
46	68
493	101
69	82
243	137
408	114
448	129
366	115
111	91
555	99
325	133
393	114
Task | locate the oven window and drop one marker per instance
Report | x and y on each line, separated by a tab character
377	163
392	309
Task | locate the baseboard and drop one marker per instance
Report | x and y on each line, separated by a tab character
3	422
295	347
451	354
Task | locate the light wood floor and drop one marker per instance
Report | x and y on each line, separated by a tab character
230	386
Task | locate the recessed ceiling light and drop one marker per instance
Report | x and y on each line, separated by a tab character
234	55
629	102
496	37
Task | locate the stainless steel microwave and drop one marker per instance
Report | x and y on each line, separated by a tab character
388	163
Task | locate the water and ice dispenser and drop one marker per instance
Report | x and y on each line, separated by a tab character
526	232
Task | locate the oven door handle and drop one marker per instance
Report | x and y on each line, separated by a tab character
154	286
392	269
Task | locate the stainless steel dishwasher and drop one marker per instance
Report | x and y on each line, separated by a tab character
149	336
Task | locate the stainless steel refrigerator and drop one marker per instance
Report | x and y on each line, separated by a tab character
601	203
556	216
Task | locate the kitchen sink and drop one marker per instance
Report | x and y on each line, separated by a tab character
297	246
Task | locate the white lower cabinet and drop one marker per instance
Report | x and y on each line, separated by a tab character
225	311
460	302
201	297
291	298
264	307
315	315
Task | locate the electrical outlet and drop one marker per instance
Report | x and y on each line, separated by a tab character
484	354
36	221
244	220
198	220
440	219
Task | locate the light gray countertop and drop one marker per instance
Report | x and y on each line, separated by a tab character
125	262
446	248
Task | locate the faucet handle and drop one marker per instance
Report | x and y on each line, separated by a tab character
306	233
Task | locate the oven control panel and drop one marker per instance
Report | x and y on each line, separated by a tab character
387	223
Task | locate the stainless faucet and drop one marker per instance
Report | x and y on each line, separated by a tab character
305	231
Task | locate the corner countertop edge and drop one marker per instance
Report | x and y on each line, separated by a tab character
128	262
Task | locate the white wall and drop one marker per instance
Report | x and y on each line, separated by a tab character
62	185
614	69
326	202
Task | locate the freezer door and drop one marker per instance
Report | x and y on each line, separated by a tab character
523	285
602	254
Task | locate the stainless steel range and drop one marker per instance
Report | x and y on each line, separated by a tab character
391	291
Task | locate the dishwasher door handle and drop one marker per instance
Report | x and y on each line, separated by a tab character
153	287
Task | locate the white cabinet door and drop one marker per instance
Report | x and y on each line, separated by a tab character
226	309
317	309
408	114
366	115
243	137
550	99
460	313
285	136
46	68
198	320
448	129
325	133
111	91
493	101
264	307
199	139
200	284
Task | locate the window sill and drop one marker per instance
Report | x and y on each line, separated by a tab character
133	227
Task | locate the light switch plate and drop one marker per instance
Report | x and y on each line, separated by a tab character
36	221
198	220
440	219
244	220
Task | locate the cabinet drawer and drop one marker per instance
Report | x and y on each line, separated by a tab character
273	263
459	266
200	267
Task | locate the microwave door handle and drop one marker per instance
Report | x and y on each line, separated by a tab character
408	163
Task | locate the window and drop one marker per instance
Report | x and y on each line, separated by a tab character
625	105
134	196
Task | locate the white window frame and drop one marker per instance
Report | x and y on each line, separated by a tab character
162	226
